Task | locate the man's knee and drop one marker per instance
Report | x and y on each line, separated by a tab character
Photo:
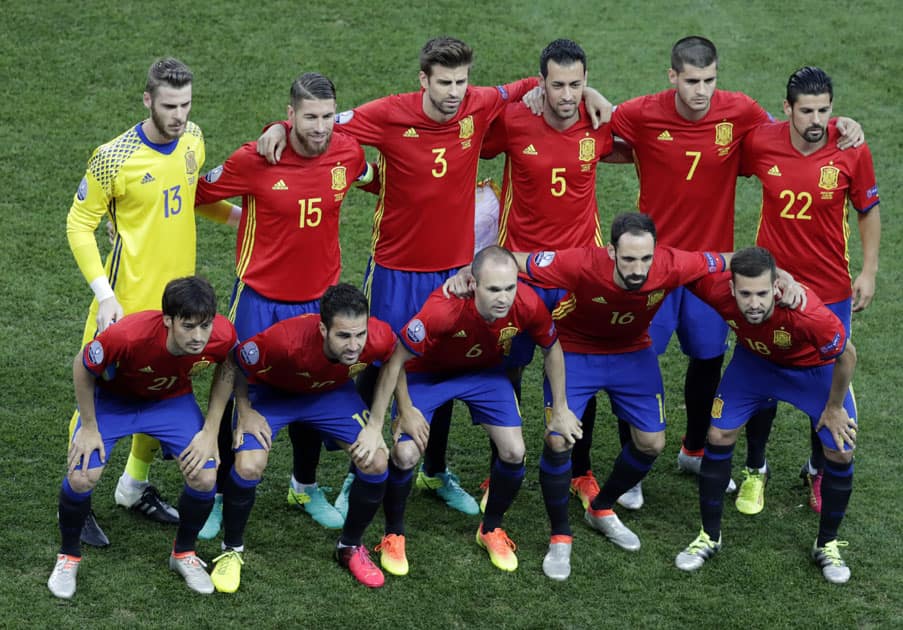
651	444
556	443
405	454
85	480
377	465
250	464
722	437
204	481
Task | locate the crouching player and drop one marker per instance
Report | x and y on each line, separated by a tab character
301	370
802	357
454	349
135	377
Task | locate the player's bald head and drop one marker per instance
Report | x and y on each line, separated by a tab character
494	255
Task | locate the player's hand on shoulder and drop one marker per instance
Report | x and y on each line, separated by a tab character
109	311
535	100
791	294
851	133
598	107
459	285
271	143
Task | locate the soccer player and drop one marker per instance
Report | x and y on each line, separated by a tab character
300	370
144	182
549	197
454	348
806	182
429	148
290	222
802	357
686	147
604	320
136	376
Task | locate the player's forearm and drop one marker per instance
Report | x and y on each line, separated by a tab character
221	212
521	259
220	392
84	383
870	234
240	387
553	364
844	366
386	383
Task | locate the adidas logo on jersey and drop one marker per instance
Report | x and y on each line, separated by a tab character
774	170
147	179
410	133
280	185
460	333
665	136
599	300
147	370
530	150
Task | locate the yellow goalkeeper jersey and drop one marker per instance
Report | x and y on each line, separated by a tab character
147	191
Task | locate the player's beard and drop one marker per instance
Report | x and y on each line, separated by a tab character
308	148
160	126
633	282
760	315
446	108
813	134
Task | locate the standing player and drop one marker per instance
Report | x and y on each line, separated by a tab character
806	182
301	370
137	375
144	181
604	324
802	357
429	148
290	222
549	199
455	348
686	145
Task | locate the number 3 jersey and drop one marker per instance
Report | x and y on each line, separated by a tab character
130	358
804	204
147	191
791	338
599	317
288	239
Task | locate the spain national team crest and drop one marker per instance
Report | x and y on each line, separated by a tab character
654	298
724	134
339	180
587	149
827	180
506	334
357	368
466	125
717	407
198	367
191	163
782	339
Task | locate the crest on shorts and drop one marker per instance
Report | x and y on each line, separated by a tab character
717	407
339	180
198	367
828	177
724	134
466	127
782	339
191	163
357	368
655	297
587	149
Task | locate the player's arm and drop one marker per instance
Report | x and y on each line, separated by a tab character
370	438
87	439
220	212
621	152
562	420
248	420
851	134
834	416
90	204
203	446
409	419
598	107
870	234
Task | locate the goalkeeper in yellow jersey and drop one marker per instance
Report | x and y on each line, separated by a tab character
144	182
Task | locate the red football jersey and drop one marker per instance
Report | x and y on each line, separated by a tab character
792	338
424	215
130	357
549	188
449	335
599	317
804	204
290	218
688	169
289	355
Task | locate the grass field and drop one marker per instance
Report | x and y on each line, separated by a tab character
73	74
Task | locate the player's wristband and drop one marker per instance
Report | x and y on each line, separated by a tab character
102	289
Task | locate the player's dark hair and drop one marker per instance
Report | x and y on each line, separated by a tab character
564	52
447	52
695	51
311	86
342	299
493	253
809	80
191	298
169	71
634	223
752	262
